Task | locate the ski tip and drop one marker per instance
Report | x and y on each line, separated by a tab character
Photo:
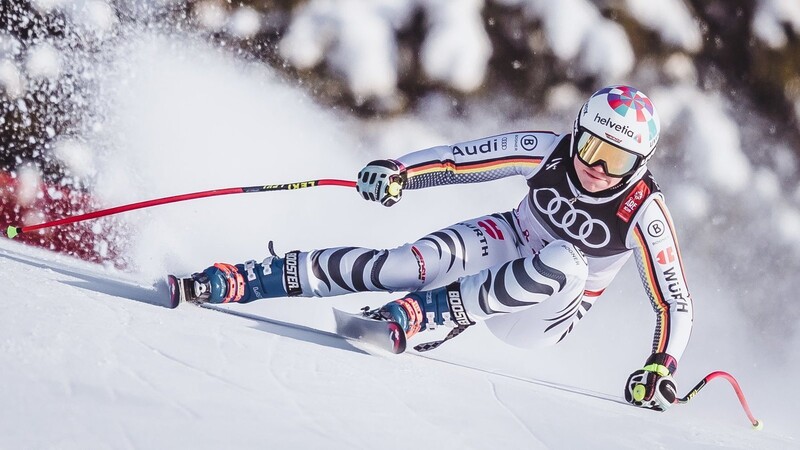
398	337
12	231
174	291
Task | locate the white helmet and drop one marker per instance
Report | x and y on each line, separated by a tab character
617	127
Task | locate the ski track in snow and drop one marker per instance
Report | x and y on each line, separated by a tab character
515	416
143	378
194	368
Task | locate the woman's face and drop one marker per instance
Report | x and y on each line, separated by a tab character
594	179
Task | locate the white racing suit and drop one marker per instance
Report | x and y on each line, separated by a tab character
520	270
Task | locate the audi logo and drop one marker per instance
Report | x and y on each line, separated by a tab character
563	215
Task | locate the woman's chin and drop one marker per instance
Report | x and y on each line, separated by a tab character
591	184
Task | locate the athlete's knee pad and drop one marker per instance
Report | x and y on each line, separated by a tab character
403	268
569	266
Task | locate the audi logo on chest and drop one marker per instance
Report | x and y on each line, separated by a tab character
573	222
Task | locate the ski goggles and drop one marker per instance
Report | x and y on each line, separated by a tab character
616	161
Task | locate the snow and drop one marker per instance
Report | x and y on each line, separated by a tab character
210	14
96	16
11	80
97	366
245	22
43	61
365	52
788	221
29	182
89	362
9	46
603	55
306	41
766	183
680	68
692	201
45	6
769	20
566	25
713	142
671	20
457	49
577	33
563	98
357	40
76	156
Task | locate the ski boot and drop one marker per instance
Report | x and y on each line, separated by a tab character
424	310
240	283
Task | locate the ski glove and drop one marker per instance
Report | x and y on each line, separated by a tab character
652	386
382	181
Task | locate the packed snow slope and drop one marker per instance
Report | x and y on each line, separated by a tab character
89	360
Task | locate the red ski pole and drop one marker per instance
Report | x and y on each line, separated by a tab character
13	231
757	424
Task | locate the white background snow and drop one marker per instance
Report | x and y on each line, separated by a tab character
86	362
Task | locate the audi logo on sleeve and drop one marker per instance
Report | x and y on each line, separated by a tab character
575	223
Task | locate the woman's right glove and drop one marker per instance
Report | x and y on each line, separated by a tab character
382	181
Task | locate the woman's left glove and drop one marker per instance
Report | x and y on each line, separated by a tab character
652	386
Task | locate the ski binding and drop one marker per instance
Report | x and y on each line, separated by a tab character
384	334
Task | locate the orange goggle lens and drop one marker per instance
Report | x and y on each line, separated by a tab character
616	161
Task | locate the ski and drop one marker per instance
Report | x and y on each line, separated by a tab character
354	327
384	334
181	290
177	291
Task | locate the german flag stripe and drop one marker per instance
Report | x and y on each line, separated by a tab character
593	293
665	212
480	166
661	305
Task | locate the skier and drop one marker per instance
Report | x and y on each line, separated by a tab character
531	273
